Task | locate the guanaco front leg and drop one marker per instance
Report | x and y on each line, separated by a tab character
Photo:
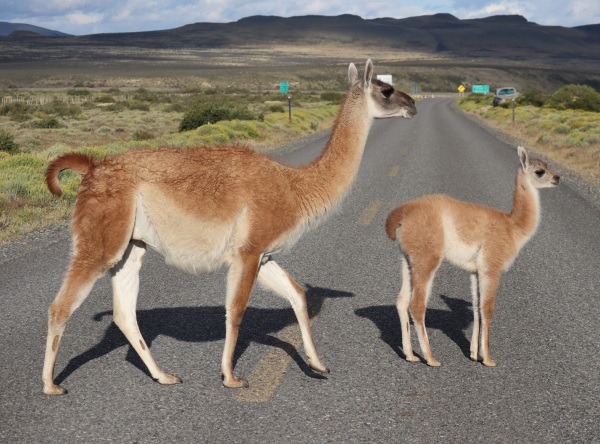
488	285
240	281
272	276
125	280
476	311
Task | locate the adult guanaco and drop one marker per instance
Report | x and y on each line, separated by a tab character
203	209
476	238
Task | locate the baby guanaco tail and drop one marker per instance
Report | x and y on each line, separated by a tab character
393	221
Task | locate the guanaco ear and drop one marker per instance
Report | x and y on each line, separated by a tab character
352	74
368	73
523	157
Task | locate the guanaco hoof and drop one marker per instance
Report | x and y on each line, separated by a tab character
236	383
55	390
319	368
168	379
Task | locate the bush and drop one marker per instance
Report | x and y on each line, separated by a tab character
212	113
533	97
47	123
16	111
142	134
78	92
332	97
277	109
575	97
7	143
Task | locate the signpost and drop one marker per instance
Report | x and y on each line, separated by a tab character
284	89
461	89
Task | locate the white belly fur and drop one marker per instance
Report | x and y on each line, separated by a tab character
187	242
456	250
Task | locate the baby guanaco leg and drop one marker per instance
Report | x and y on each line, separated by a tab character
402	304
421	281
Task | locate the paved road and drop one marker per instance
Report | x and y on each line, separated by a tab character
544	336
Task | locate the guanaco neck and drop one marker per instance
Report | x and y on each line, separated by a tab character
325	181
526	208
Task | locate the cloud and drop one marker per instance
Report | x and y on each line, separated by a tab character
80	18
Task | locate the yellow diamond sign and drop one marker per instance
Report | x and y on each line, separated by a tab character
461	88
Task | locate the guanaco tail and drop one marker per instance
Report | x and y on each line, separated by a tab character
476	238
203	209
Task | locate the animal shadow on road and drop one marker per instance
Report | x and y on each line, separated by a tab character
452	323
205	324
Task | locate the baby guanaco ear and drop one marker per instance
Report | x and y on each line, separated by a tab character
368	73
523	157
352	74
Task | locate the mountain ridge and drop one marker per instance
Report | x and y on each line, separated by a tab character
505	36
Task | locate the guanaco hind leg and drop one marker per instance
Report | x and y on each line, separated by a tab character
402	305
421	282
272	276
126	283
76	287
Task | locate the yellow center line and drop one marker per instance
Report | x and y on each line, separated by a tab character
267	374
394	171
367	217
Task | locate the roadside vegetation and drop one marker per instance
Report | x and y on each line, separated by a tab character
564	126
34	130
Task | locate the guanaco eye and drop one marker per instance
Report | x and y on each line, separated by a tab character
387	92
540	173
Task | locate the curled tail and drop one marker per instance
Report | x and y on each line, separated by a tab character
82	163
393	221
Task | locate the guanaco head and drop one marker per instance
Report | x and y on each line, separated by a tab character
383	100
538	173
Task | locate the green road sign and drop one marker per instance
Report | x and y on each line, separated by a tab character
283	87
481	89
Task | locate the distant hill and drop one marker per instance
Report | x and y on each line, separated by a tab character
7	28
510	36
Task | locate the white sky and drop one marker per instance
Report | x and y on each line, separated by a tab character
81	17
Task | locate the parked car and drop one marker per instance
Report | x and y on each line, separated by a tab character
504	94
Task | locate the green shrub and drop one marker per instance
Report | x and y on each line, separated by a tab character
137	105
47	123
61	108
78	92
332	97
7	143
533	97
212	113
16	111
142	134
581	97
105	99
277	109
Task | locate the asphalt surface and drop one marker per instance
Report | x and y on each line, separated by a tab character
544	333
